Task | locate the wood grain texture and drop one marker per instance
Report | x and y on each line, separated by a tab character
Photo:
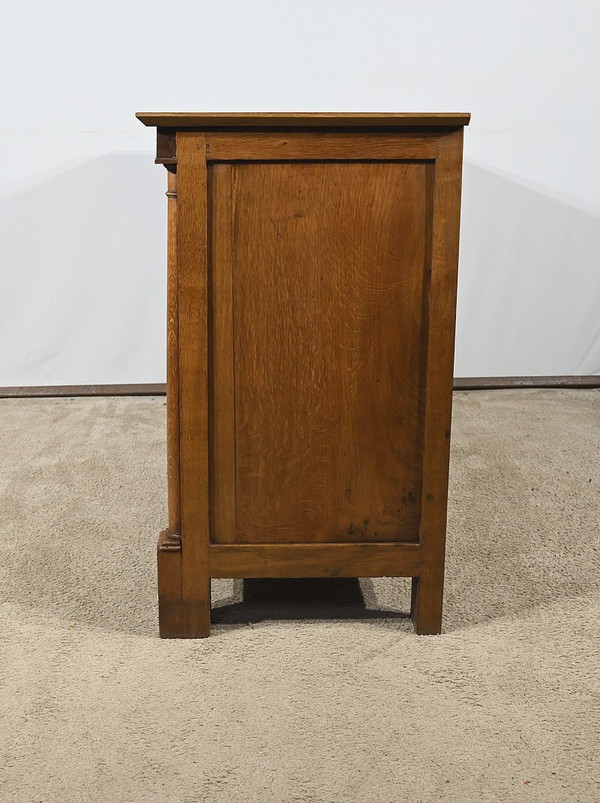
314	560
206	120
328	264
169	586
243	145
173	462
441	312
222	384
192	214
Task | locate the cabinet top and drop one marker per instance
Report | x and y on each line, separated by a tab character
303	119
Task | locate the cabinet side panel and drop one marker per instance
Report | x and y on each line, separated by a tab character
221	378
328	270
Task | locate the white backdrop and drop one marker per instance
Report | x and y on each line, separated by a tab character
82	209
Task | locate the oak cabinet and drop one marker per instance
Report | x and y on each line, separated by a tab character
312	264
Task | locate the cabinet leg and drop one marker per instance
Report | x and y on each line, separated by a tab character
179	617
426	605
195	615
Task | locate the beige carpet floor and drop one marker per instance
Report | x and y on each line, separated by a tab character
305	692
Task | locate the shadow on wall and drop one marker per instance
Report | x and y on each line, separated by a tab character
83	286
529	281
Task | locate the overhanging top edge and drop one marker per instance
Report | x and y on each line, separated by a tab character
303	119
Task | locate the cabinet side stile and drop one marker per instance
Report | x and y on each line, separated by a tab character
192	294
169	543
427	590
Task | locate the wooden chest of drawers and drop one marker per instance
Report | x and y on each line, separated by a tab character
312	266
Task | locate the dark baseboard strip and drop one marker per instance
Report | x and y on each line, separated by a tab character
159	389
505	382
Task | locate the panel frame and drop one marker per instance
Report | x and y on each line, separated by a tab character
375	559
196	559
230	146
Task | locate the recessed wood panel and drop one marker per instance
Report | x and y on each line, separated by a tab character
325	396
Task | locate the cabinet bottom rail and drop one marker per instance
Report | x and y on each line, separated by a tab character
307	560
